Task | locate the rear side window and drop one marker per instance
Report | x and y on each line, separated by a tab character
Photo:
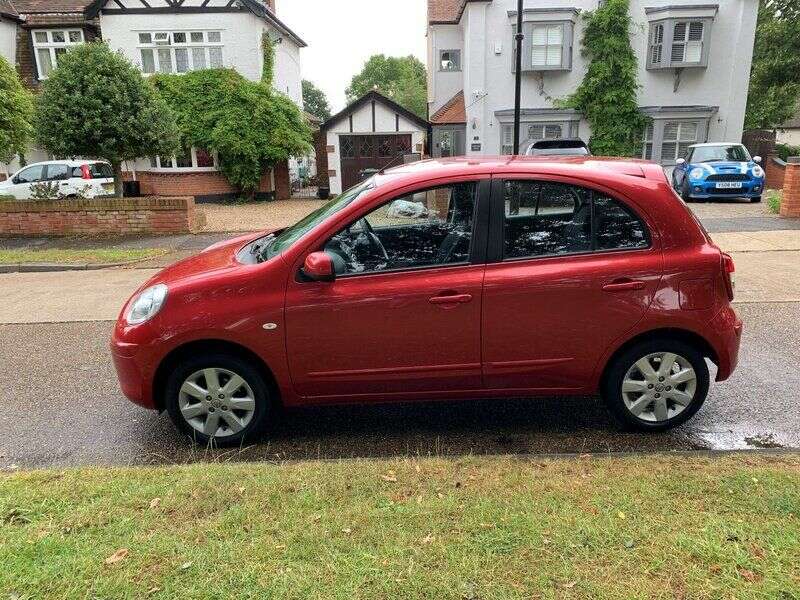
550	219
57	172
101	171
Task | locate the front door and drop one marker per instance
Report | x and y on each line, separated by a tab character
24	179
360	152
404	313
574	271
449	141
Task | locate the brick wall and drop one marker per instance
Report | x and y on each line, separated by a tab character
790	203
775	169
99	216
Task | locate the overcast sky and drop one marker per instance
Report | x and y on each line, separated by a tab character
342	34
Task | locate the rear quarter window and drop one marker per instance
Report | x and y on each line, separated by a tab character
101	171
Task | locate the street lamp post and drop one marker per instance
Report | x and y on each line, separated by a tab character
518	76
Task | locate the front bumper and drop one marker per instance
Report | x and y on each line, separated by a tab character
133	372
708	189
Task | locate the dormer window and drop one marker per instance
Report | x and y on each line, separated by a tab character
450	60
679	36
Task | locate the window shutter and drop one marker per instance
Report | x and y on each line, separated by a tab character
656	44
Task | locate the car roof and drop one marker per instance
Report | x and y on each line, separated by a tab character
716	144
595	168
69	163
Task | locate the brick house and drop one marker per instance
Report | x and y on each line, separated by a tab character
164	36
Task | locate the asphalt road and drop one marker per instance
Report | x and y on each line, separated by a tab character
61	407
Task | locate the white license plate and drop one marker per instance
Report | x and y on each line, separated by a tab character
727	185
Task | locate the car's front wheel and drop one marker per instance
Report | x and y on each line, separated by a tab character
656	385
218	398
684	191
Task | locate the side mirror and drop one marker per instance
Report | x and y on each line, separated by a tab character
15	180
319	267
680	161
757	159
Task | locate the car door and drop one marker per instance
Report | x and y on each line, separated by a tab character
570	271
404	313
21	182
59	175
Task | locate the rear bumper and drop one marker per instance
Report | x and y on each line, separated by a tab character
726	327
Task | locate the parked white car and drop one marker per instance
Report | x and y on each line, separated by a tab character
65	178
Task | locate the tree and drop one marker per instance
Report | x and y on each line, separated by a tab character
315	102
775	74
250	126
16	113
97	105
403	79
607	94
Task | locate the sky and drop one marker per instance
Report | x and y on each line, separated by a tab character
342	34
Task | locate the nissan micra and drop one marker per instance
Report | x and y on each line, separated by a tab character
444	279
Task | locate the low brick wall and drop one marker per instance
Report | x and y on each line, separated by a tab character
101	216
790	202
775	170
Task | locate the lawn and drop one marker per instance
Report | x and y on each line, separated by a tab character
466	529
70	256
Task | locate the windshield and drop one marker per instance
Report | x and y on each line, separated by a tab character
734	152
290	235
579	151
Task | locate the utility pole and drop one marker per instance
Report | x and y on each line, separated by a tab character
518	77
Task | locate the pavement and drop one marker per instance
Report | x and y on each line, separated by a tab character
62	405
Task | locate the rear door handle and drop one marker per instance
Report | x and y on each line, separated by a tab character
622	285
451	299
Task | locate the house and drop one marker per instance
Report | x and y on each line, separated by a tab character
789	132
168	36
370	133
694	65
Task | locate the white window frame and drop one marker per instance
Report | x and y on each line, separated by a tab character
686	41
647	141
157	165
51	46
167	42
681	140
454	52
547	45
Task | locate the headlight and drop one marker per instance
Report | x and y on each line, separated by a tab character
145	306
696	173
758	171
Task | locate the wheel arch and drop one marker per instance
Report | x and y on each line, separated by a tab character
208	346
683	335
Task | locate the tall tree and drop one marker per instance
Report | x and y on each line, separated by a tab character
97	105
403	79
775	75
16	113
315	102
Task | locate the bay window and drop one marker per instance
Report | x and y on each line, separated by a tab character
676	43
180	51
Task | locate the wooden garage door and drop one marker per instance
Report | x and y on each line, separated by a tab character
360	152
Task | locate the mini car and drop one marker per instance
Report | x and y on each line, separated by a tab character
558	147
511	277
69	179
718	171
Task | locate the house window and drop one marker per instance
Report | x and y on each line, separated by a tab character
180	51
450	60
535	132
547	45
194	159
647	143
50	44
678	136
678	43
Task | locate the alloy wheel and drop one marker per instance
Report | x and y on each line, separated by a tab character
659	386
216	402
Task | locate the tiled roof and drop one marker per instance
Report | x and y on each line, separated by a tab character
794	122
25	7
452	113
7	9
447	11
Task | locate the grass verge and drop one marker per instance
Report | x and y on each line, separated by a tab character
488	528
70	256
774	201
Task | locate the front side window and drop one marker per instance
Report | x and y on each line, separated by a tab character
450	60
180	51
547	43
423	229
551	219
50	44
31	174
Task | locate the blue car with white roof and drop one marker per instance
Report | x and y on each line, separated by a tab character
718	171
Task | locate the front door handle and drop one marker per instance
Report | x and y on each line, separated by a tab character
623	285
451	299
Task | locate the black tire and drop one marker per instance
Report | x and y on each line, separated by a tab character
263	409
755	199
685	192
615	374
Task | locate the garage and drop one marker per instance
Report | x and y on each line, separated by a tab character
371	133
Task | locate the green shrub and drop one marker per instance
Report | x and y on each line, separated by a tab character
774	201
16	113
4	198
784	151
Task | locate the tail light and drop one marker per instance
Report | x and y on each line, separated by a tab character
85	172
729	274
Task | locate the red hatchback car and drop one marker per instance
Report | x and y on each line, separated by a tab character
444	279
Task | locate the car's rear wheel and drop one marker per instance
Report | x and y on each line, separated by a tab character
656	385
755	199
218	398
